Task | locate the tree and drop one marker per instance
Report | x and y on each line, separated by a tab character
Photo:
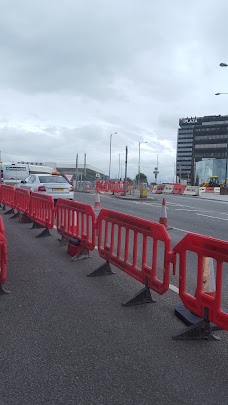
143	178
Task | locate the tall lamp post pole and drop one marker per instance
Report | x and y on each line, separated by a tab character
110	154
140	143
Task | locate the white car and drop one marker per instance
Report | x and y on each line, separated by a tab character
51	184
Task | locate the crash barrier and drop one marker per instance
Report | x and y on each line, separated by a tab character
191	190
76	220
202	304
168	189
3	256
158	189
118	186
8	196
140	262
42	212
178	189
22	200
102	185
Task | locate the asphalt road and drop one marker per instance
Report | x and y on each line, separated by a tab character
66	339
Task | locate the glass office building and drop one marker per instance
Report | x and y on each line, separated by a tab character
211	167
200	139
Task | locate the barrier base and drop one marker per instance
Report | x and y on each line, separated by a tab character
15	215
3	208
35	225
188	317
200	331
3	291
83	254
63	240
44	233
24	219
11	211
143	297
103	270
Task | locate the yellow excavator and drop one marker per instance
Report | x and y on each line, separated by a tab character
213	181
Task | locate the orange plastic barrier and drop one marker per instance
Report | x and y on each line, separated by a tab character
118	244
102	185
8	196
76	220
178	189
3	257
117	186
22	200
42	212
202	304
158	189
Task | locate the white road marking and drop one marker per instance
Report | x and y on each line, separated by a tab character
181	230
174	288
54	226
186	209
211	216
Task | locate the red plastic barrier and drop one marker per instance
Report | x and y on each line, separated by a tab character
76	220
124	253
3	254
102	185
8	195
210	190
22	200
42	210
117	186
0	193
203	246
178	188
158	189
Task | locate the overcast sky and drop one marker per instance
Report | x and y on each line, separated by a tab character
72	72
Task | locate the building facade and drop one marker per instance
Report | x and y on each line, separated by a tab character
201	138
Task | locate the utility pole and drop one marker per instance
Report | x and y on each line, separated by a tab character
125	180
84	184
76	173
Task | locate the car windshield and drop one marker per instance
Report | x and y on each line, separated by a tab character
52	179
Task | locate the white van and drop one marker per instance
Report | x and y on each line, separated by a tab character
14	173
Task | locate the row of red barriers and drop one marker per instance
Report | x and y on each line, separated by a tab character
114	186
3	257
132	245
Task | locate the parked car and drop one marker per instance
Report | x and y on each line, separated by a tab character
52	184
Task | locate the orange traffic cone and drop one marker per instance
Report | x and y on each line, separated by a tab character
97	205
208	276
163	218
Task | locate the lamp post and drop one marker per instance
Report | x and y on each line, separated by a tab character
110	153
121	153
140	143
218	94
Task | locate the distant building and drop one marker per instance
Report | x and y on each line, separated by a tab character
199	139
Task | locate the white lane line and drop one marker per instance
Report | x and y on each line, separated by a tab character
185	209
174	288
54	226
181	230
211	216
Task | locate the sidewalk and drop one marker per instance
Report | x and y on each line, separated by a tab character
214	196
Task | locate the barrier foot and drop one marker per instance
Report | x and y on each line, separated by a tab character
44	233
3	208
3	291
11	211
143	297
200	331
81	255
189	318
15	215
63	240
103	270
35	225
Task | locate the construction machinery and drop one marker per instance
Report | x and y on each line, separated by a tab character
213	181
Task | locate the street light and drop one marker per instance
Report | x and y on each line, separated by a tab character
140	143
222	64
110	156
218	94
121	153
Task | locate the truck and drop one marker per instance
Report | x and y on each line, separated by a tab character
13	174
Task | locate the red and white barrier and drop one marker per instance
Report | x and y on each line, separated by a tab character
191	190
